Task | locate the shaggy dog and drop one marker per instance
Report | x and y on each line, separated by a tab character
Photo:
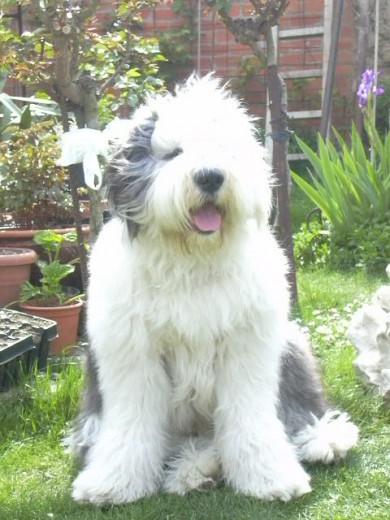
194	375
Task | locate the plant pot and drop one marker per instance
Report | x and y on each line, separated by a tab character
15	268
24	238
67	318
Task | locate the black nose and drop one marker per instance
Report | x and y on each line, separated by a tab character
209	180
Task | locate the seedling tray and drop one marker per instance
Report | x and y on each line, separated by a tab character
24	342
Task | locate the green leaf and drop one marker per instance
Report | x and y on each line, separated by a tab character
28	291
25	118
49	240
312	193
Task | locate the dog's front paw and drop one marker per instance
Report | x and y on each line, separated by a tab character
285	484
98	487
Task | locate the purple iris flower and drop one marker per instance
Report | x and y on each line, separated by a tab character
366	86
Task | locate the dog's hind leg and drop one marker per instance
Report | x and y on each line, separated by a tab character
197	467
318	432
87	424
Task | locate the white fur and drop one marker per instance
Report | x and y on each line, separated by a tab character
197	466
328	440
188	329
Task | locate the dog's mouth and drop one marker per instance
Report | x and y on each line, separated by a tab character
207	218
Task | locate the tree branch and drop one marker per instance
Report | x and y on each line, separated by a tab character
63	78
248	31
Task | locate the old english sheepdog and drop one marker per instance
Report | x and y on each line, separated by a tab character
194	373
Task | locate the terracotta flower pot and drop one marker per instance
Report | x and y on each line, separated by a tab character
14	237
67	318
15	268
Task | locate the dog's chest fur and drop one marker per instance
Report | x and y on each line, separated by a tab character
187	327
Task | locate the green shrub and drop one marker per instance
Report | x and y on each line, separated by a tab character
373	240
311	245
342	252
368	246
34	191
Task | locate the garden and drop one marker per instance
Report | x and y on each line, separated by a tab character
340	212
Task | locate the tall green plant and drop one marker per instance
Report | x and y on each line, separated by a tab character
346	184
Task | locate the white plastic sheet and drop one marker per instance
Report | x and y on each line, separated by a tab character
84	145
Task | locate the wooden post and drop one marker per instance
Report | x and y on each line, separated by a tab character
329	81
363	24
280	138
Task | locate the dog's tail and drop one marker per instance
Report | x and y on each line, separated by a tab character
319	432
328	439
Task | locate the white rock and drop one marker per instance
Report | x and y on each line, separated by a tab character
384	388
369	332
365	325
382	297
366	366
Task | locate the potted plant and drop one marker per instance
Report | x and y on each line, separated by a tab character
15	268
34	192
50	298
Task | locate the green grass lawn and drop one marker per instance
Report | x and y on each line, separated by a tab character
36	473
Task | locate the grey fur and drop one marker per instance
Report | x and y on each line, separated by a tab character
91	403
301	396
92	395
130	174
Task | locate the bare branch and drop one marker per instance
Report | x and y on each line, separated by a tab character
249	30
258	52
270	10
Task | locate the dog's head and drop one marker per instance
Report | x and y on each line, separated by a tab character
191	168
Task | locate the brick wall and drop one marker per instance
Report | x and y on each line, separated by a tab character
220	53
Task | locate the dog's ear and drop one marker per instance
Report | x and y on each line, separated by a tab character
129	176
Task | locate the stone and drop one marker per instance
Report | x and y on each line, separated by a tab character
382	297
369	332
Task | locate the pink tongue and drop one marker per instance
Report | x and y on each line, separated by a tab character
207	218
